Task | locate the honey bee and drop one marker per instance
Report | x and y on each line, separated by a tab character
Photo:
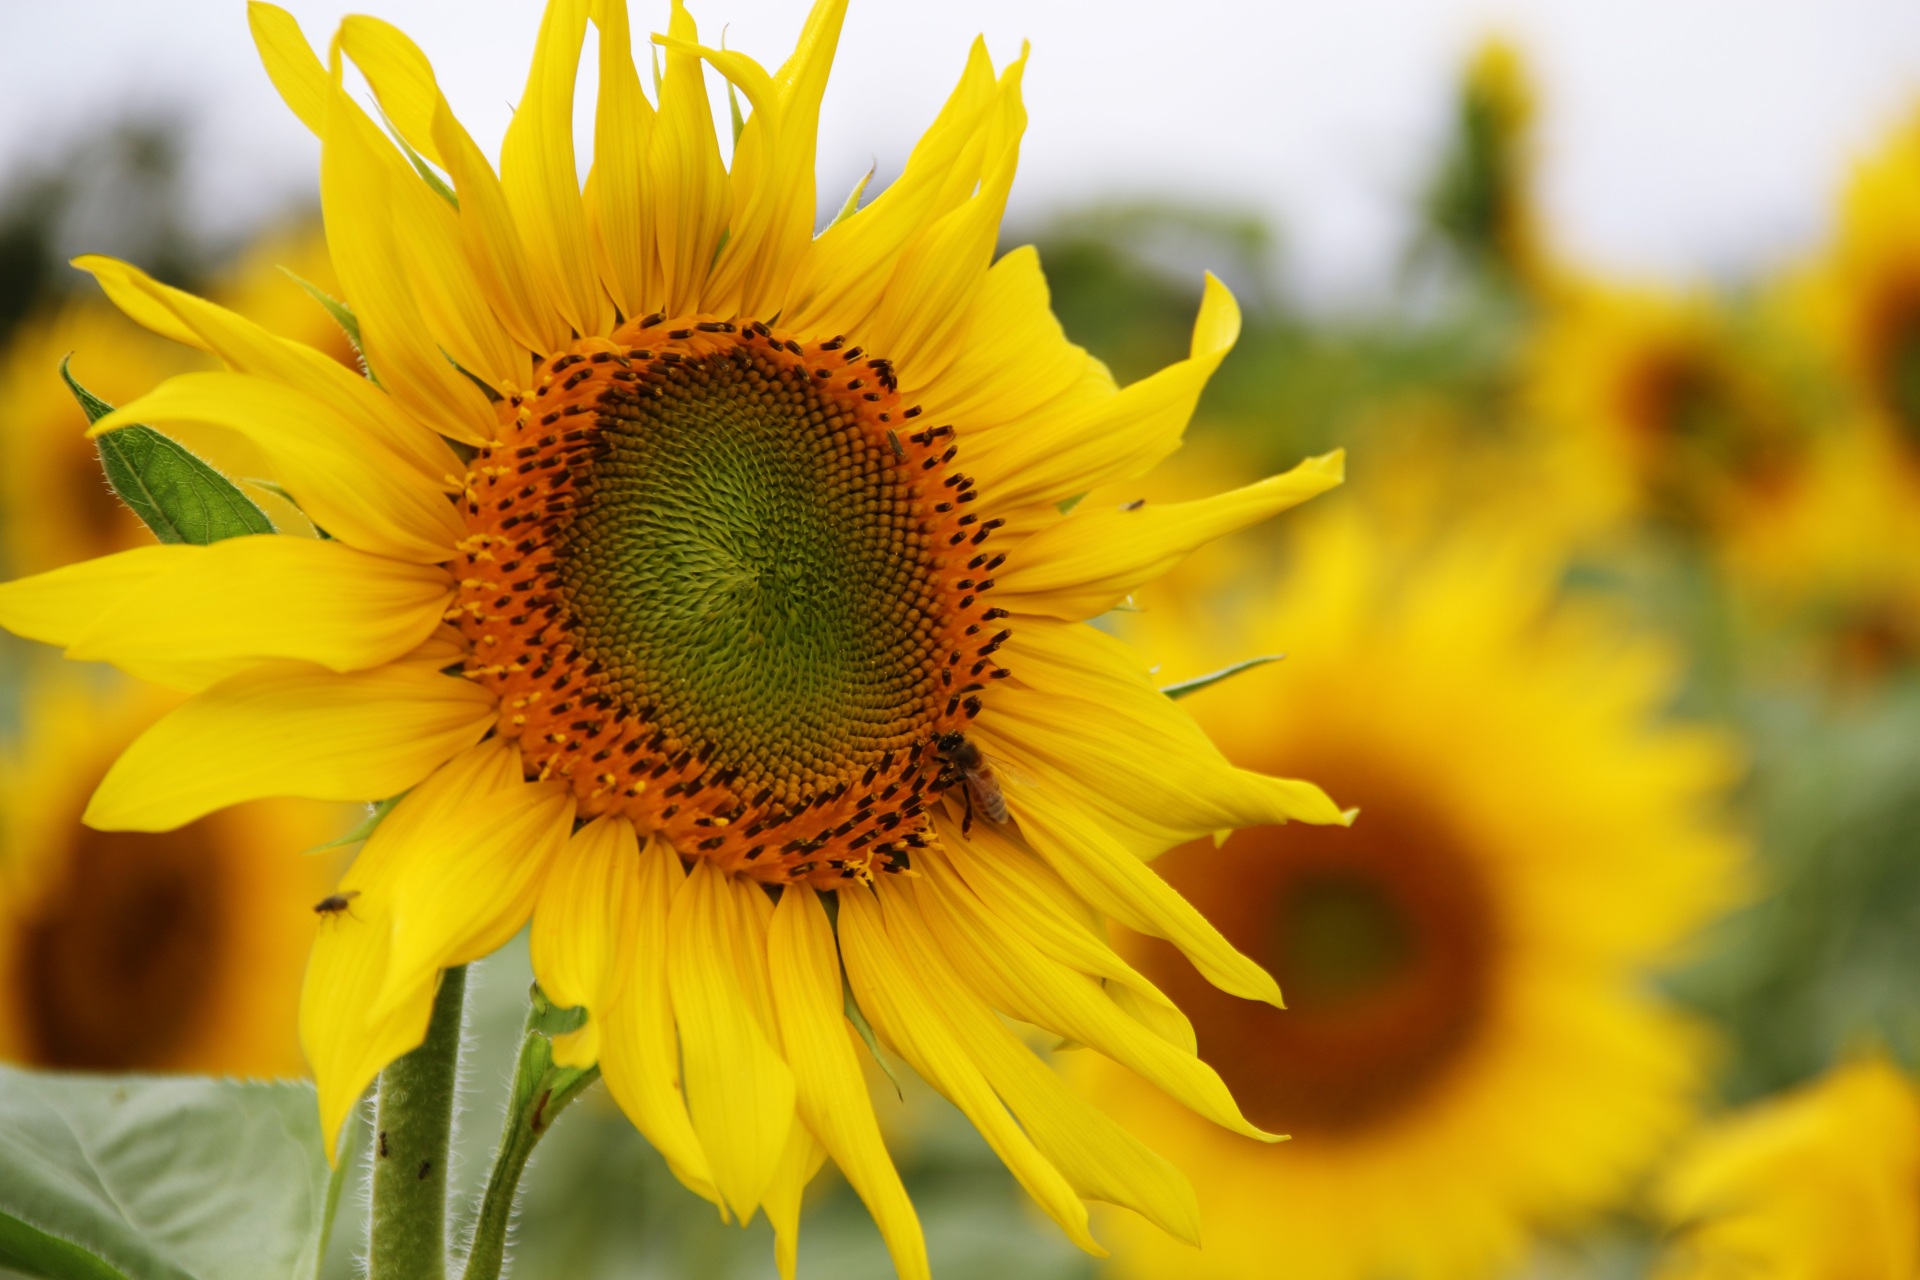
334	903
965	762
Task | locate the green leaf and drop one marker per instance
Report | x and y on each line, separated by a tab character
342	314
178	496
1198	683
151	1178
858	1017
851	205
376	814
733	108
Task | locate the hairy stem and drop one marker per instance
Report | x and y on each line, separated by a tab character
541	1091
413	1127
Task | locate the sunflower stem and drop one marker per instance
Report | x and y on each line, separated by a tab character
541	1091
413	1128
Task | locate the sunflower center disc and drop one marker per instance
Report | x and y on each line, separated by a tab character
730	587
1382	939
116	966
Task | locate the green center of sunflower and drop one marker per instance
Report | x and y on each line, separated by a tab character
744	555
732	588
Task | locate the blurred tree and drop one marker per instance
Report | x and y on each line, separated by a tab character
120	190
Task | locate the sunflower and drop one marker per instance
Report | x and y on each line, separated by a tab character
1861	302
1816	1183
127	951
1469	1052
1651	401
1825	560
681	561
1824	572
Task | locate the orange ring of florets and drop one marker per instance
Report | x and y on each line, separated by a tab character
578	716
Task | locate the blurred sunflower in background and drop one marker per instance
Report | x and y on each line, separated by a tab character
1817	1183
1649	405
130	951
1469	1051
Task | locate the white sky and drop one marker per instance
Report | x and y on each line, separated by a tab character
1681	137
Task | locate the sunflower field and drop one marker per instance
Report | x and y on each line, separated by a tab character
666	726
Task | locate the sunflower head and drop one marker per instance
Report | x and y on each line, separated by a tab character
137	951
1861	301
1530	844
1662	411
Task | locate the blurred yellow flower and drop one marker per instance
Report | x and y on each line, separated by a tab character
1469	1050
1651	408
55	506
1862	300
1830	561
1822	1183
1827	576
125	951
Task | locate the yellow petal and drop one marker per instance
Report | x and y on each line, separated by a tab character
739	1092
290	62
1098	1158
494	253
268	596
1094	559
1085	720
798	1163
479	888
1029	899
772	171
346	1042
619	211
538	175
932	292
248	348
689	184
343	476
1113	438
400	75
830	1089
1118	883
591	898
1022	983
289	729
367	195
429	234
639	1048
839	280
1015	357
61	604
913	1016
